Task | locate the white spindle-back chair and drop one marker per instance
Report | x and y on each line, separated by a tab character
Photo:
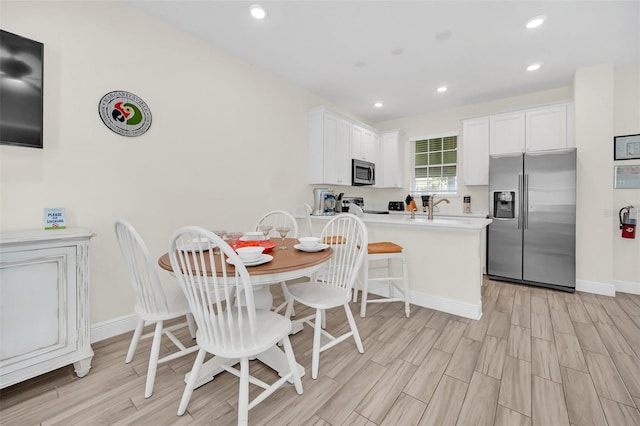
155	303
332	286
227	329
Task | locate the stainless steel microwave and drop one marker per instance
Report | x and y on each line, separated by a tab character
362	173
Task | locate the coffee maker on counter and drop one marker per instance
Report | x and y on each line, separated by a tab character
324	202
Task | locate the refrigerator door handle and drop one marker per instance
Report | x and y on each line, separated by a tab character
519	211
525	202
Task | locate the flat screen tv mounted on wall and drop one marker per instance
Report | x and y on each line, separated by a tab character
21	79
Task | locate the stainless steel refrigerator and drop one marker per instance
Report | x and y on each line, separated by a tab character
532	238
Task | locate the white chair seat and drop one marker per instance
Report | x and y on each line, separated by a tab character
319	295
269	329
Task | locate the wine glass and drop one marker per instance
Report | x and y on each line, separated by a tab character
234	236
283	231
265	230
220	234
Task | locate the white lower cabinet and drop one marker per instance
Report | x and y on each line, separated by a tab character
390	166
44	303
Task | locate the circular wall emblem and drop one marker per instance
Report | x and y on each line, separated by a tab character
124	113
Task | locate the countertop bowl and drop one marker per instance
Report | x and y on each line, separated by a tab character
309	242
249	253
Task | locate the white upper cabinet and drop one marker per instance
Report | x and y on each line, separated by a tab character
506	133
390	167
329	150
364	144
547	128
537	129
475	151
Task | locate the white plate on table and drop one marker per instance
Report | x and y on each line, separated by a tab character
196	243
264	258
313	249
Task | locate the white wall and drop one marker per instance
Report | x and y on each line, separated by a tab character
227	142
626	121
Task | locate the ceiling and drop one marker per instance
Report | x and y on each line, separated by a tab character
354	53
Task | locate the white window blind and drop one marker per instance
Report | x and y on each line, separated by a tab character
435	164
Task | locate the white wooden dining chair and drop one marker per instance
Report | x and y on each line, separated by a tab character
155	302
231	331
276	219
331	288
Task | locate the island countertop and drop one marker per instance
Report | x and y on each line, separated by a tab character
445	257
450	223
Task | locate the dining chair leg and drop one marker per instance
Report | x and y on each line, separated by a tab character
324	318
134	341
365	289
285	294
289	311
354	328
315	357
153	360
191	383
291	359
243	393
192	325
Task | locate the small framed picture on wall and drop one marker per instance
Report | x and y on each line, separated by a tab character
626	147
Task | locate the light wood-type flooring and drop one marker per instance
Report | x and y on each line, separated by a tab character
536	357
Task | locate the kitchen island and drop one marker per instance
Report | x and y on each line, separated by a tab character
445	257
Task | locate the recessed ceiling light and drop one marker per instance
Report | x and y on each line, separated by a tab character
378	104
258	12
397	51
442	89
536	21
534	67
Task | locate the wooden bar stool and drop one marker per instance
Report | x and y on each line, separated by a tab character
389	252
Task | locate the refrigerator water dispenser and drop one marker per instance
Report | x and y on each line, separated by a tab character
504	204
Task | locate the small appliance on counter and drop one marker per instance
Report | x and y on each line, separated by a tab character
324	202
358	201
396	206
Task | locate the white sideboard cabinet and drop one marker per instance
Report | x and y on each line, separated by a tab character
44	303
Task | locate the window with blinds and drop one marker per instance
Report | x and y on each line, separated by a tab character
435	165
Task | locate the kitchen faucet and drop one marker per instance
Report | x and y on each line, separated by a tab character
432	205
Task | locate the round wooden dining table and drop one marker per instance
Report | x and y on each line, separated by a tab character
286	265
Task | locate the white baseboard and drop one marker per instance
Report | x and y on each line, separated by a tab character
627	286
462	309
596	287
114	327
